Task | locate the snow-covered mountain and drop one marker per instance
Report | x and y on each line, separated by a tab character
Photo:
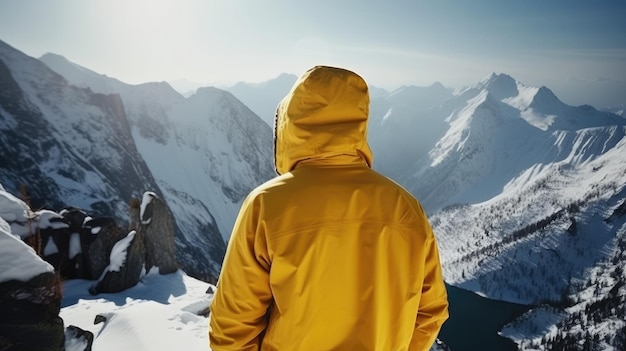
495	130
619	110
67	145
525	194
78	138
206	151
402	126
520	188
208	147
263	98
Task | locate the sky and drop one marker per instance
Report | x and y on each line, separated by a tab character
577	48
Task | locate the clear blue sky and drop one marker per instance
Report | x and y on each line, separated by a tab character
560	44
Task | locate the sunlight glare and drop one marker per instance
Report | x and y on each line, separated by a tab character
149	16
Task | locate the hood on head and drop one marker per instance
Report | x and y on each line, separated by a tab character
324	115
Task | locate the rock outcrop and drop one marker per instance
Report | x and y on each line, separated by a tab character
157	229
81	247
30	299
125	268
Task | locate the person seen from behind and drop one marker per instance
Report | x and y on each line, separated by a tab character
329	255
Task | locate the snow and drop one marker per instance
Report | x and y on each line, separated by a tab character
533	324
4	225
159	313
147	199
74	342
119	252
45	219
387	115
16	213
205	152
13	209
18	260
50	248
510	156
117	257
75	247
87	219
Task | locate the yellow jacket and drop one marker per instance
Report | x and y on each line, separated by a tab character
330	255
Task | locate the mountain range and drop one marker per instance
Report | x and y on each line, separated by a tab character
525	193
74	137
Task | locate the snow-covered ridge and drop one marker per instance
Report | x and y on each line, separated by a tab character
209	146
522	189
75	146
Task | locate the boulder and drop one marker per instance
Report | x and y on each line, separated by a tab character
157	229
53	241
98	237
30	299
125	268
77	339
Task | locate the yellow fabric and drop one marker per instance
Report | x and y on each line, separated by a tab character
330	255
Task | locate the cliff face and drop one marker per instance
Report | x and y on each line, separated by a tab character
67	146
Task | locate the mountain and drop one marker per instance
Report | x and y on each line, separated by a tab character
206	151
618	110
78	138
185	87
526	196
409	106
524	193
263	98
67	145
403	127
488	134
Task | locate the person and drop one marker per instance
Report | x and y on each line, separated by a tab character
330	254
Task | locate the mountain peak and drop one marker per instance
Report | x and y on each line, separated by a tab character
500	86
53	56
414	95
61	63
546	102
160	89
437	85
289	77
212	96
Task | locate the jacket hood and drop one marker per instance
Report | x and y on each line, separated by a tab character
324	115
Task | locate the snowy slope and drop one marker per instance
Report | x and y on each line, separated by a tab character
67	145
70	146
512	157
525	193
496	130
162	312
263	98
403	127
206	153
209	147
521	189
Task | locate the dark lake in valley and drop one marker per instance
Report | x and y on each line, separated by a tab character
475	321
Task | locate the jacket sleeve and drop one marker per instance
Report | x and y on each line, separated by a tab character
240	305
433	307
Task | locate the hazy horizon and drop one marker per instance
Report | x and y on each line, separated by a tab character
578	50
